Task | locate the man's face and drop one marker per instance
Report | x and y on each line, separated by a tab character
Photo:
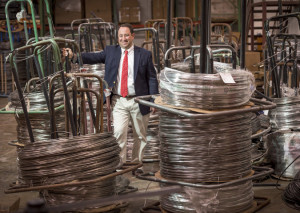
125	37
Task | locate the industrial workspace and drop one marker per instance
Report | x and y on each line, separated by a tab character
167	106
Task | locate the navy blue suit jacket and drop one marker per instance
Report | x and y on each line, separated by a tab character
145	80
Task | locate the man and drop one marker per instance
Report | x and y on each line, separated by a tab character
129	72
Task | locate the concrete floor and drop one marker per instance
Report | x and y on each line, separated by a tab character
8	171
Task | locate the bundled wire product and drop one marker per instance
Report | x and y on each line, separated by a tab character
264	121
236	198
6	77
152	147
255	123
186	66
63	160
209	149
205	91
291	194
283	147
287	113
40	122
74	159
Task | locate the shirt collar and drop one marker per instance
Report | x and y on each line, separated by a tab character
129	50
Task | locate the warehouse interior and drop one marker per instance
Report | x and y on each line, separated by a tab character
225	133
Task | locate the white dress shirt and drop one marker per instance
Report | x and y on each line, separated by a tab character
130	80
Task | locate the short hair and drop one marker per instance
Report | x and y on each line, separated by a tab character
128	26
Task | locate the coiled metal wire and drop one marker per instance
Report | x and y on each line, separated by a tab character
152	147
283	147
97	69
205	91
287	113
210	149
40	122
63	160
236	198
292	193
74	194
255	123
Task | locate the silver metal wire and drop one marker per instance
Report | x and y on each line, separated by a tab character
63	160
283	147
236	198
205	91
152	147
74	194
40	122
211	149
255	123
287	113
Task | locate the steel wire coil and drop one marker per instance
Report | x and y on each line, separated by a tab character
210	149
283	147
186	66
40	122
63	160
236	198
255	123
205	91
65	195
287	113
292	192
152	147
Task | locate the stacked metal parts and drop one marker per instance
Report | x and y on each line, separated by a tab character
152	148
283	147
93	83
74	159
6	77
151	152
205	91
287	113
209	150
40	118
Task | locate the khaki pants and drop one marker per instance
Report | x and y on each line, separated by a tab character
123	110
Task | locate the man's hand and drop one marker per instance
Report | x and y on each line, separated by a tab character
66	52
152	110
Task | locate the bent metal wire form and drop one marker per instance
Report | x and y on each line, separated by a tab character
205	91
210	149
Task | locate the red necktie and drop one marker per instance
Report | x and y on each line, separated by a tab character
124	88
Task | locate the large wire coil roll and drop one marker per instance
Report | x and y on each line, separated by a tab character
210	149
283	147
205	91
236	198
74	194
287	113
152	147
63	160
292	192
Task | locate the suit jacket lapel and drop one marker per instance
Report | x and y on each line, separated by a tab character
136	60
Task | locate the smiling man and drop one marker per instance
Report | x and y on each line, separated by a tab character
129	72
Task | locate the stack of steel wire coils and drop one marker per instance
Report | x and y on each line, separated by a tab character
151	152
287	113
60	161
38	115
205	91
152	148
283	147
255	123
210	149
206	150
